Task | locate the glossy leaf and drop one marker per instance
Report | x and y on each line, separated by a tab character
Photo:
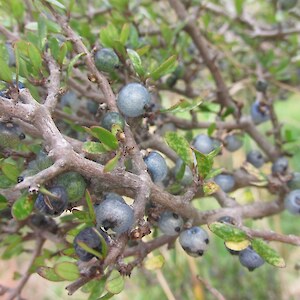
5	72
268	253
182	106
3	202
228	232
23	207
73	62
49	274
67	270
125	33
181	146
154	263
90	206
111	164
105	137
56	3
166	67
115	283
93	147
136	62
35	56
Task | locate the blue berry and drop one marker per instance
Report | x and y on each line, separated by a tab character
111	118
259	113
225	181
115	215
90	237
170	223
70	99
203	143
132	100
280	166
51	206
250	259
114	196
292	202
233	142
187	177
92	107
255	158
194	241
261	86
106	60
294	183
156	166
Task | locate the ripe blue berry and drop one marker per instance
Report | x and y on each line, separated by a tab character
194	241
90	237
156	166
250	259
70	99
233	142
170	223
132	100
259	113
111	118
225	181
51	206
294	183
115	215
187	177
106	60
114	196
92	106
255	158
203	143
280	166
292	202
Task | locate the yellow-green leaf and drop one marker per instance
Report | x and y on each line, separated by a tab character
154	263
268	253
228	232
49	274
115	283
23	207
67	270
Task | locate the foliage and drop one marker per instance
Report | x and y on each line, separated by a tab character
218	68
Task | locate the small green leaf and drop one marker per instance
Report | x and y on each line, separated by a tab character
227	232
181	146
211	129
106	296
5	72
111	164
35	56
109	35
89	249
67	270
73	62
182	106
204	163
81	215
62	53
268	253
125	33
89	203
3	202
210	188
105	137
143	50
166	67
115	283
154	263
10	171
56	3
49	274
136	62
23	207
214	172
93	148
